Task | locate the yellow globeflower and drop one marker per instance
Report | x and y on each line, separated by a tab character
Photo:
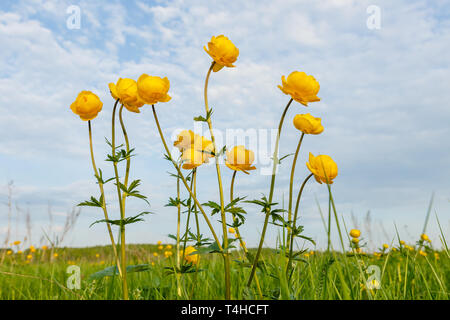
424	237
385	246
402	242
240	159
231	230
192	158
155	254
159	243
168	254
185	140
87	105
223	52
9	252
97	255
301	87
19	252
308	124
32	249
355	240
422	253
44	247
194	258
16	243
168	247
355	233
323	168
55	255
126	91
29	257
153	89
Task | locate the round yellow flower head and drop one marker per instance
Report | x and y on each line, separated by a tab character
55	255
311	252
301	87
240	159
223	52
16	243
155	254
323	168
167	253
185	140
160	247
153	89
308	124
355	240
355	233
97	255
159	243
192	158
19	252
87	105
192	258
44	247
9	252
29	257
424	237
168	247
385	246
231	230
126	91
422	253
436	256
402	242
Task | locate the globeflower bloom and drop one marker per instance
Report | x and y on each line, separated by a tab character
152	89
323	167
126	91
355	233
192	258
424	237
301	87
192	158
240	159
223	52
87	105
308	124
185	140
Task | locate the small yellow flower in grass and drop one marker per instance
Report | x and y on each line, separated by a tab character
97	255
422	253
355	233
29	257
44	247
231	230
160	247
189	257
9	252
167	254
385	246
153	264
55	255
19	252
323	167
155	254
436	256
306	255
87	105
159	243
308	124
153	89
16	243
32	249
240	159
301	87
394	249
223	52
424	237
402	242
102	262
126	91
168	247
311	252
355	240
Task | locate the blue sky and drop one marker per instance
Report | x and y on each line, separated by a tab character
384	105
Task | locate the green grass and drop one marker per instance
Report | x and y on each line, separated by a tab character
404	274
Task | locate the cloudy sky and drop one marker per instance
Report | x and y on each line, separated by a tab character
384	105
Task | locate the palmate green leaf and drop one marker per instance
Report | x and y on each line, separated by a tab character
123	222
131	190
93	202
110	271
203	119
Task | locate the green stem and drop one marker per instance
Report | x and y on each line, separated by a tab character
291	183
226	256
105	211
272	184
291	239
122	209
183	179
